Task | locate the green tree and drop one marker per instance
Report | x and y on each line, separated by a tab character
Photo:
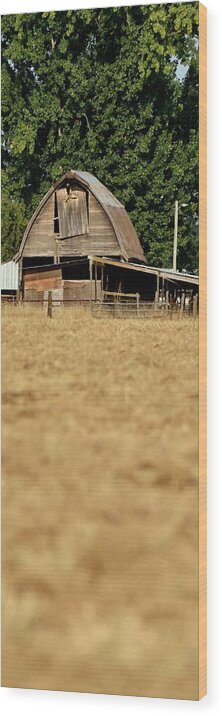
99	90
14	220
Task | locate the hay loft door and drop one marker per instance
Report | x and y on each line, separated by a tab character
72	211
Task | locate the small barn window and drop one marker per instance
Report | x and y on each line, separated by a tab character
56	216
72	211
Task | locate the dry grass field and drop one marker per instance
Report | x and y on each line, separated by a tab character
100	503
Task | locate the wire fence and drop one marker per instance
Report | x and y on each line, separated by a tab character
145	309
114	306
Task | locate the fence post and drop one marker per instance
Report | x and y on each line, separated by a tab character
195	305
189	305
171	311
137	303
49	305
167	301
182	302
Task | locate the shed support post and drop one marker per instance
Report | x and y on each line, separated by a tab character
163	290
95	269
182	302
49	305
90	276
195	305
158	287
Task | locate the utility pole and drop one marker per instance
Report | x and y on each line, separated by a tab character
175	236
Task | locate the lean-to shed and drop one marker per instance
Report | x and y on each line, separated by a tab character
77	217
9	277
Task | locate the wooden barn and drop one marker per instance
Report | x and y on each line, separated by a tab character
80	244
79	216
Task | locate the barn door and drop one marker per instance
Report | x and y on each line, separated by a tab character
72	212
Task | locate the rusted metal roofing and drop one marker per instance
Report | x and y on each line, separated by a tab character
9	276
99	189
130	247
126	234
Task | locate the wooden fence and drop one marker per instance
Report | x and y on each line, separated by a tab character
119	305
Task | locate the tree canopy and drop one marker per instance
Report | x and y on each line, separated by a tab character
100	90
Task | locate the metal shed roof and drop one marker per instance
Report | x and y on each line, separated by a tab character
170	275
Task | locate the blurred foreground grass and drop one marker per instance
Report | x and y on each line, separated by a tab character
100	503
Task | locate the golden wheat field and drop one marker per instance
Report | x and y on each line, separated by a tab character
100	503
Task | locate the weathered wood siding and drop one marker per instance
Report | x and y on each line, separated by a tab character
41	238
80	290
37	289
72	212
43	280
31	294
100	240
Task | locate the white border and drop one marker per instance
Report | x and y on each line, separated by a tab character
24	702
39	5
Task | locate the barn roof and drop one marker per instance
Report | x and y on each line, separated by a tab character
96	186
130	247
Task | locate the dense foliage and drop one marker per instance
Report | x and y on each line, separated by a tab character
100	90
